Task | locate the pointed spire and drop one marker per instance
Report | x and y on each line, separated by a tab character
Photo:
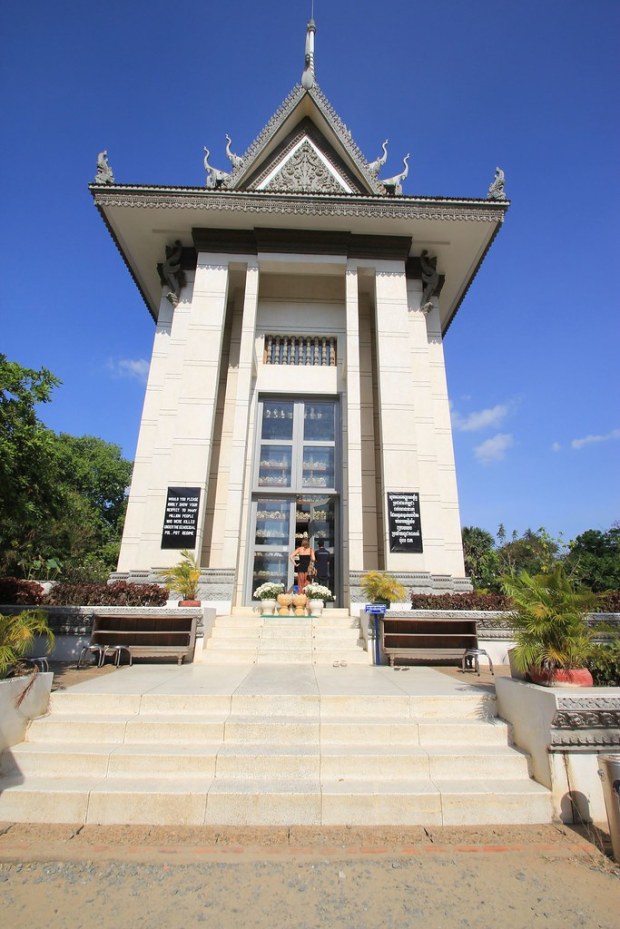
308	76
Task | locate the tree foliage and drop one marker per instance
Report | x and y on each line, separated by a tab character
594	558
29	468
62	498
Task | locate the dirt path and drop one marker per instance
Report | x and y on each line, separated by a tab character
60	877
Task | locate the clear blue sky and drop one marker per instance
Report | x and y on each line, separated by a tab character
531	86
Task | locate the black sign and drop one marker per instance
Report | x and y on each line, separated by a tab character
181	518
404	522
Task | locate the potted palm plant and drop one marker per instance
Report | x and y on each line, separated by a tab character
17	634
183	579
380	587
553	639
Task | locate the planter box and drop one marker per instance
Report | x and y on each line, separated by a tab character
564	731
14	719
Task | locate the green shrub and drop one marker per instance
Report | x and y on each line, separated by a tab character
609	602
604	664
118	594
468	601
16	590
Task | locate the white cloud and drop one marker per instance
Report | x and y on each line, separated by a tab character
494	449
594	439
135	368
483	419
556	447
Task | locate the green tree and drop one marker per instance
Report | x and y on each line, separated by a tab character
481	558
62	497
594	558
29	468
534	552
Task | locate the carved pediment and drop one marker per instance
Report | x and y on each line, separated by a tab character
335	166
305	170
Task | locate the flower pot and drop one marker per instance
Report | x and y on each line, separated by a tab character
284	602
514	671
315	607
268	607
189	602
561	677
299	602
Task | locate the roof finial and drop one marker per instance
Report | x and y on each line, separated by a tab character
308	76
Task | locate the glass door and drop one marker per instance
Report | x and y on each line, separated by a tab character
296	482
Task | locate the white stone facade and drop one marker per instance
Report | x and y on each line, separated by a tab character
273	254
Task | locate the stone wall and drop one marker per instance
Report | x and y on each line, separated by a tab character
564	732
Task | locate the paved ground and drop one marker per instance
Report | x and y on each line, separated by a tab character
66	675
63	877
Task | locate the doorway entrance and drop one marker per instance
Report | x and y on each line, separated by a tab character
296	487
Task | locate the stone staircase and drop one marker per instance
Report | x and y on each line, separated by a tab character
264	752
246	637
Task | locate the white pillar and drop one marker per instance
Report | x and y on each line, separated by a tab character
396	401
353	528
239	443
176	436
130	553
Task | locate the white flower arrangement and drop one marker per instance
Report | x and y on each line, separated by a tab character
268	591
318	592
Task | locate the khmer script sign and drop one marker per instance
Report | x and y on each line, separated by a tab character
404	522
181	517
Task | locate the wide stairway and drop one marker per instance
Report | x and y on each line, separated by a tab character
246	637
267	745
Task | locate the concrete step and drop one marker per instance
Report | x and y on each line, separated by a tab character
298	761
295	722
255	760
227	643
361	747
436	714
267	801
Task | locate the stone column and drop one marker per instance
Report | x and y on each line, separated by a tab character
396	401
450	555
239	443
131	554
177	429
353	527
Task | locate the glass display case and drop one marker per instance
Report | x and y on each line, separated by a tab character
318	466
270	566
275	466
319	422
295	486
272	521
277	420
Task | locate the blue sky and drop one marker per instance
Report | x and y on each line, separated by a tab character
532	356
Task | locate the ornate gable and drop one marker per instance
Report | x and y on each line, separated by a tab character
305	147
305	170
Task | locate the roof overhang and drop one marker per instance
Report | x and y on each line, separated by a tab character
144	220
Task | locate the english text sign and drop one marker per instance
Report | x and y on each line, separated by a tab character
181	517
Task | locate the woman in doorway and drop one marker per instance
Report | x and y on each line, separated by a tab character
302	557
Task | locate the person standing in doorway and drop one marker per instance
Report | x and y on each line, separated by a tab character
322	559
301	558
